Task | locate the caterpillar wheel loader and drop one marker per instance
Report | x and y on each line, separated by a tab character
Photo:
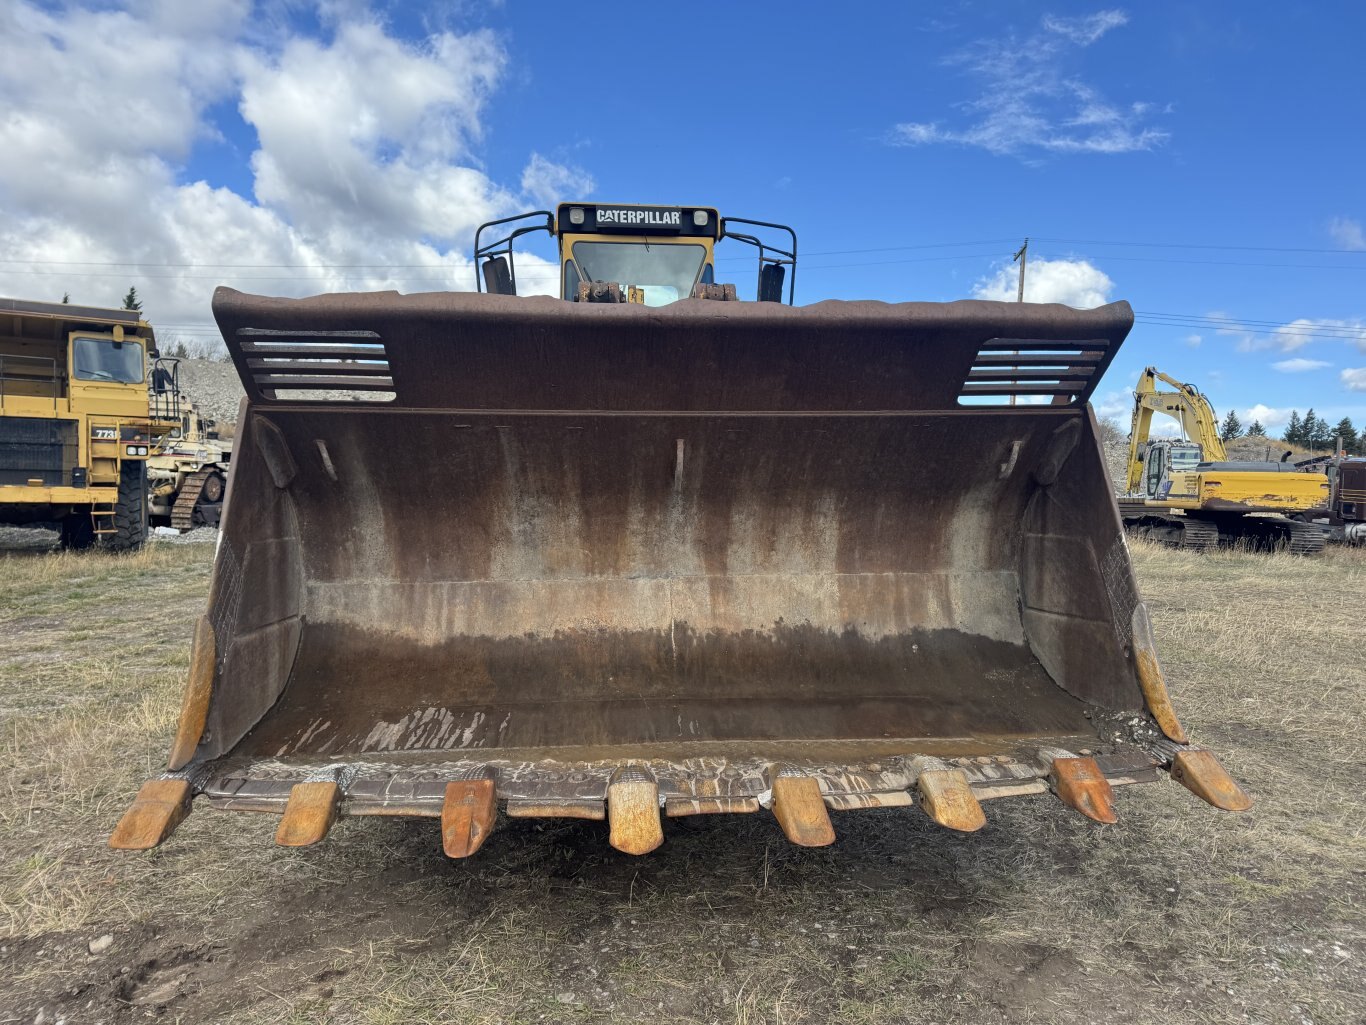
1188	494
647	550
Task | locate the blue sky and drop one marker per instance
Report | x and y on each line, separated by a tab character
1202	161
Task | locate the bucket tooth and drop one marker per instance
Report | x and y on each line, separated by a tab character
947	797
633	812
1080	784
194	704
800	810
1150	679
160	806
1200	772
467	816
309	814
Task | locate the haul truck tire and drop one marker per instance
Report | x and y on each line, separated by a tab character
130	513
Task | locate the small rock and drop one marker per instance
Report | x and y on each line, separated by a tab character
565	998
101	943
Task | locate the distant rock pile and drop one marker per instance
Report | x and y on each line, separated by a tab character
213	384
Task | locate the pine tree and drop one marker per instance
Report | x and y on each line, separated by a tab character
66	298
1256	430
1231	428
1315	431
1294	430
1346	432
131	300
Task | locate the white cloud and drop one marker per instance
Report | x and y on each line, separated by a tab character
1354	378
1070	282
1113	405
1294	335
1299	333
1347	233
365	173
1030	102
549	183
1267	416
1193	341
1087	29
1299	365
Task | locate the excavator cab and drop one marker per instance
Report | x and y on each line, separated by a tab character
626	559
1161	459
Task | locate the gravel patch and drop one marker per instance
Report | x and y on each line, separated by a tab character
28	539
171	536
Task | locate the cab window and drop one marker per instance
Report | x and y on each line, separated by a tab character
665	272
103	359
1156	457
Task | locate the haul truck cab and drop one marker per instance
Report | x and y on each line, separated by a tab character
75	429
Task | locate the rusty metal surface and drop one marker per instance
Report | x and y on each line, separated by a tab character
687	784
605	534
462	350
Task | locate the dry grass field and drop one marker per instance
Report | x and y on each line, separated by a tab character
1177	914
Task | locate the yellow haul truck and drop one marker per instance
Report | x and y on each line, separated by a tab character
74	425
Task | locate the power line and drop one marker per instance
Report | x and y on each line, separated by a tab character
439	273
1311	327
1194	245
410	266
1238	263
137	265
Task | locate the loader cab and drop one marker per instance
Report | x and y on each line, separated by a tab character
1164	457
650	255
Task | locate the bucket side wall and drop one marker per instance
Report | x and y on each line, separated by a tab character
1077	578
256	597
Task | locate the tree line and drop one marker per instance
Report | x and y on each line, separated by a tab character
1312	432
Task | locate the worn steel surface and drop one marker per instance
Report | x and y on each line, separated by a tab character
544	539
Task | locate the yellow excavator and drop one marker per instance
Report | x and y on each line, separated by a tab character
648	550
1188	494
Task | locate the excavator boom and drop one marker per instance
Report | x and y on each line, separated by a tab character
1185	404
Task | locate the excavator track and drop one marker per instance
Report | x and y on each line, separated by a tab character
1273	534
1198	535
1306	539
188	501
1184	532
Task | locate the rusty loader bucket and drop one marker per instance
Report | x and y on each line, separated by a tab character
623	563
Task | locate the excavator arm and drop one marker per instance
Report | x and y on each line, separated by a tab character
1186	405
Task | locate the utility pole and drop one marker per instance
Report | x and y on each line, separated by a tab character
1022	255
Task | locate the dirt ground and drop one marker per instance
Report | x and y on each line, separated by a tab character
1178	914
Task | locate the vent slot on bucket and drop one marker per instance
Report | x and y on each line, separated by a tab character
1026	371
317	366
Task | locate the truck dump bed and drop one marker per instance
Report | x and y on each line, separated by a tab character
607	561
